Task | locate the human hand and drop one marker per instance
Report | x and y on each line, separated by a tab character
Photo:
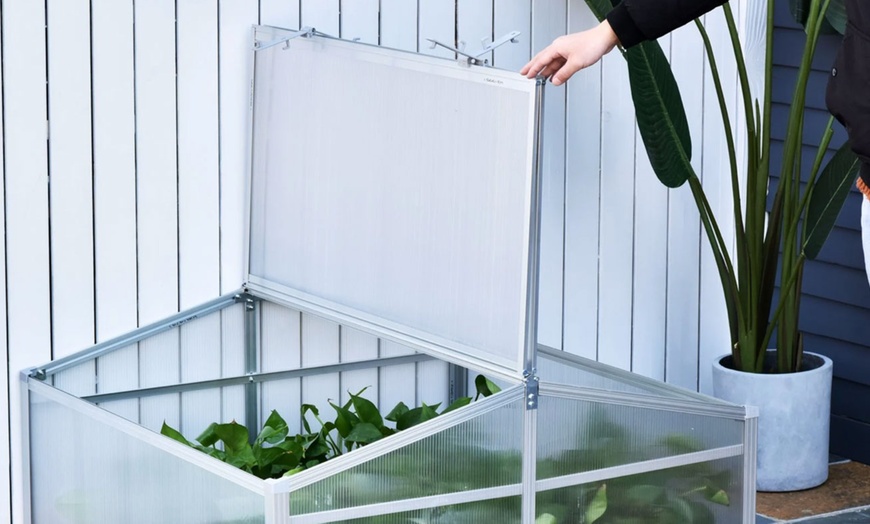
571	53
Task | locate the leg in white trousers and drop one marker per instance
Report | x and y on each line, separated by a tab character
865	233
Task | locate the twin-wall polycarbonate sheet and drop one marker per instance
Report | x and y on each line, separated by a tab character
85	468
398	187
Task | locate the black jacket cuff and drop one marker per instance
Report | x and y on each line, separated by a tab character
624	27
865	173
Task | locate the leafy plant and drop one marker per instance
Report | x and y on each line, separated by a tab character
802	212
275	453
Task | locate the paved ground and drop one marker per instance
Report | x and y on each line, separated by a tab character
843	499
846	517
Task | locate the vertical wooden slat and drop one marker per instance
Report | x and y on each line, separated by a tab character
359	20
114	167
649	298
320	347
156	160
436	20
394	384
7	379
119	371
233	361
549	22
198	154
399	24
160	365
234	48
474	22
714	336
512	15
684	228
72	241
27	229
321	15
200	349
582	199
280	351
280	13
617	215
358	345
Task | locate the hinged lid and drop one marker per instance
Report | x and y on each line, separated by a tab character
399	193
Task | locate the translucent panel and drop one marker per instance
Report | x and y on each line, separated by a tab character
572	371
500	511
83	471
705	493
422	220
577	435
481	453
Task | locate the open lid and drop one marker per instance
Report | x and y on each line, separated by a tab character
397	192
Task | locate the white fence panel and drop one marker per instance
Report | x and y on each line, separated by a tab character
71	188
582	199
147	156
684	226
25	122
198	153
549	20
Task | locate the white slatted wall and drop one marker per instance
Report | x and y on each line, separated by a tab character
145	104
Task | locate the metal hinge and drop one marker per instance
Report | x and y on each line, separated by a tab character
475	59
532	384
304	32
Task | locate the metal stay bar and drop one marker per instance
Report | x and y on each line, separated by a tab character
255	378
42	372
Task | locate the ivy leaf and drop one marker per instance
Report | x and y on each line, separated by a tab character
274	430
344	420
719	496
545	518
485	387
364	433
366	410
598	505
234	437
458	403
417	416
396	413
208	437
304	410
646	495
174	434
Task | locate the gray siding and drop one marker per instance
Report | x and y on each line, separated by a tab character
835	312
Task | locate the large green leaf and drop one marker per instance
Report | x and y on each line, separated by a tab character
829	195
836	15
661	117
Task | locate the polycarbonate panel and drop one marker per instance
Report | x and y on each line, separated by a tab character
577	435
565	371
483	452
500	511
705	493
83	470
395	187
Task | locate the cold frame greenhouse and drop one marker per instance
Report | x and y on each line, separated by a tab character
392	253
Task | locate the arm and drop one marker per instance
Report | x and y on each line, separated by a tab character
629	23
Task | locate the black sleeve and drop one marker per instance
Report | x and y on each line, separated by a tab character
635	21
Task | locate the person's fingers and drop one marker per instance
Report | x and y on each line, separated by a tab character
566	72
542	60
552	67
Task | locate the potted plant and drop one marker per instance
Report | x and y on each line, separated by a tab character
776	228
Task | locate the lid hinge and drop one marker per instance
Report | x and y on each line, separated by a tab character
305	32
475	59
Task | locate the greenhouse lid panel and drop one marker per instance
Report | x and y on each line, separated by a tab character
399	187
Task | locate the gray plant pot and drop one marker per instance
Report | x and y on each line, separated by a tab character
793	421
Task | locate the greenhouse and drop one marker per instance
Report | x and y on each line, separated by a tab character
392	261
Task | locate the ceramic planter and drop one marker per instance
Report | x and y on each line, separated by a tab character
793	422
